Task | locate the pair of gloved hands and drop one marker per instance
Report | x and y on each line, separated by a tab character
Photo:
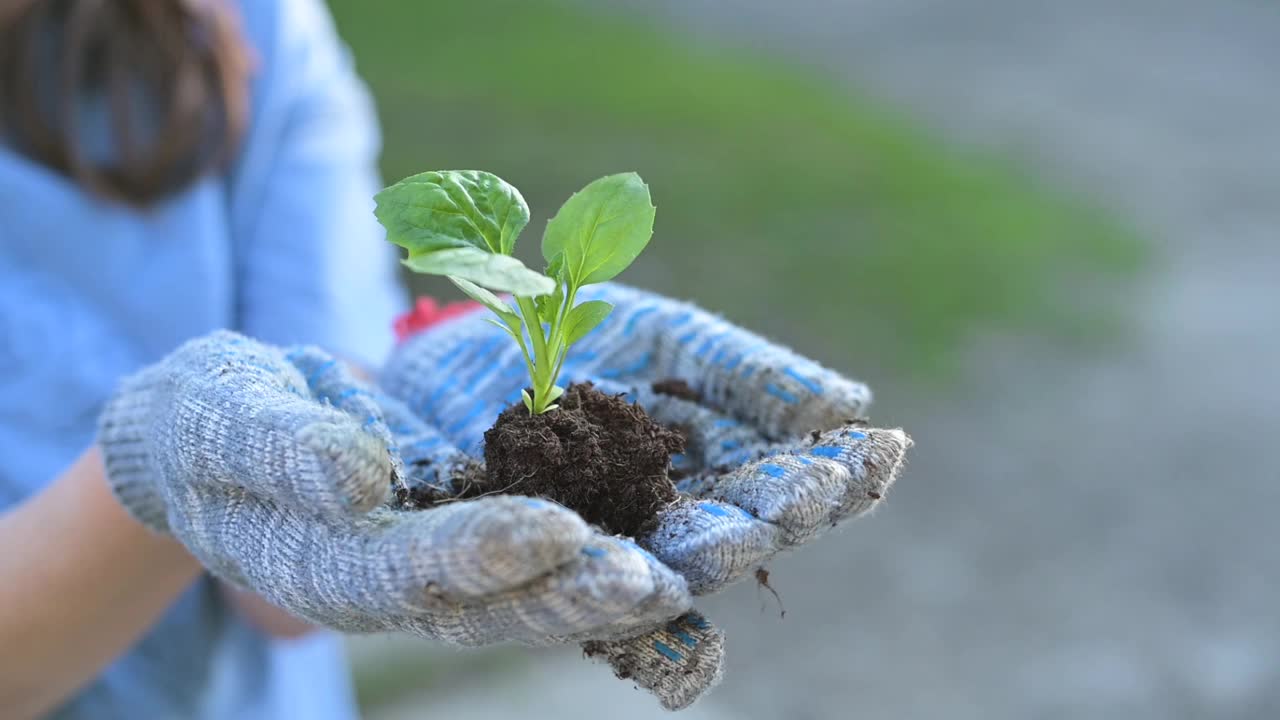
279	471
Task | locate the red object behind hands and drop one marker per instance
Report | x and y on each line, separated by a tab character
427	312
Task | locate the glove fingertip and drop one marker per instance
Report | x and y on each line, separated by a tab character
353	470
711	544
679	662
883	459
493	544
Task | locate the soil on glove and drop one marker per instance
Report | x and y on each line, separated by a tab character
675	387
597	455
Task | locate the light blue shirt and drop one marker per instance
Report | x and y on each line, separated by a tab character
284	248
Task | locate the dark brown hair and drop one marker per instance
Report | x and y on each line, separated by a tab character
171	76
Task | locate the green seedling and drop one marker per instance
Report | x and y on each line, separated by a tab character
463	224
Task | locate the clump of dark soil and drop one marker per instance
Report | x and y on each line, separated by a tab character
597	455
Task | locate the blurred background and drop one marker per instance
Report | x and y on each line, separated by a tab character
1045	233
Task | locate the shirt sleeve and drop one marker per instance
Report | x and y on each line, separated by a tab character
310	261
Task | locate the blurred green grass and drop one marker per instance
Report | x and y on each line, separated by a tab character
386	672
791	205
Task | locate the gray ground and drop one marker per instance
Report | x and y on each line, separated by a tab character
1078	535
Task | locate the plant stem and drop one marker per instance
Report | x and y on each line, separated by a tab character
542	375
557	331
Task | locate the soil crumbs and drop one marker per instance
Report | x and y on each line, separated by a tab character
675	387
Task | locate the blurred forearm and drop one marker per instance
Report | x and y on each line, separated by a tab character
80	581
266	617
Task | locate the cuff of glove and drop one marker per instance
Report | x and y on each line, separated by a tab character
125	432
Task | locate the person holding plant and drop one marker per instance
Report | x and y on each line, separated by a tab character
185	221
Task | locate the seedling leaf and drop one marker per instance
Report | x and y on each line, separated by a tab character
484	297
600	229
584	318
501	326
555	393
555	267
496	272
528	401
452	208
549	305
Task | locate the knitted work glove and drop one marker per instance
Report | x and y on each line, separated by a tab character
776	455
274	470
